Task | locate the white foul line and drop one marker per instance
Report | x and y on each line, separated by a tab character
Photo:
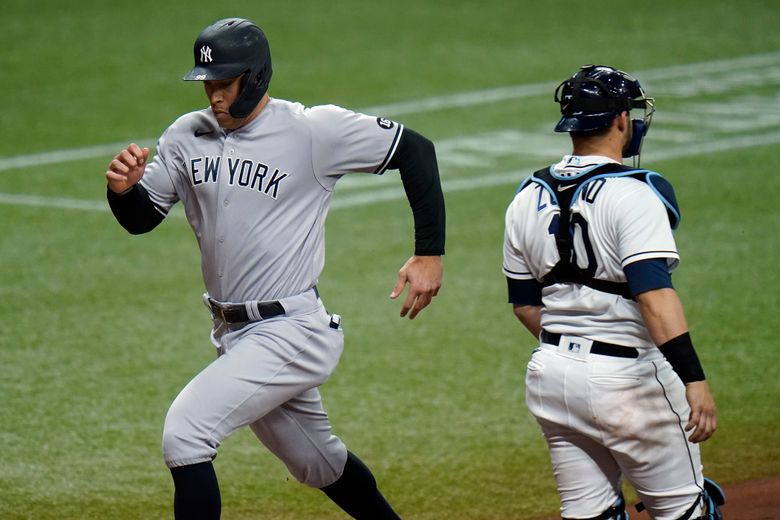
52	202
60	156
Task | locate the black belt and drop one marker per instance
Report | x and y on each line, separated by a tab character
236	312
598	347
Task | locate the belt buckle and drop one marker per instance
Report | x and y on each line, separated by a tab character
217	309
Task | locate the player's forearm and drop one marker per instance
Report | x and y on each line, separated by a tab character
415	158
134	210
531	317
663	314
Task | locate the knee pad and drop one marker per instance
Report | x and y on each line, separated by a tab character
616	511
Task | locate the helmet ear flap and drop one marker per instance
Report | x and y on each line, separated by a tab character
254	85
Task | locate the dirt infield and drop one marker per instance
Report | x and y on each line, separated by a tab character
754	500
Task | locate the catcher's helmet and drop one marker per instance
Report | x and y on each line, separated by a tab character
230	48
595	95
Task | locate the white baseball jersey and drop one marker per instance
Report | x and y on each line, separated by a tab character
604	417
257	197
626	222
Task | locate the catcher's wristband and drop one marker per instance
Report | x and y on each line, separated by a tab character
679	352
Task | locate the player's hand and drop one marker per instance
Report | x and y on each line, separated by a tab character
702	420
127	168
423	274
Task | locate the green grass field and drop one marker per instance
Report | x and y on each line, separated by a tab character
100	330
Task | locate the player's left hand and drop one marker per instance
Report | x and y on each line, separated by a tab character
702	420
423	274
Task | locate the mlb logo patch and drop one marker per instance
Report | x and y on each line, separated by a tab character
574	347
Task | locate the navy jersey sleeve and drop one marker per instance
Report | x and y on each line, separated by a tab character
646	275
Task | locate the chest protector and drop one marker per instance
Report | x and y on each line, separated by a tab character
564	191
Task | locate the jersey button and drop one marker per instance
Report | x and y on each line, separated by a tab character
225	203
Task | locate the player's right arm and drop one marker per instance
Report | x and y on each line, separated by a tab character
129	201
127	168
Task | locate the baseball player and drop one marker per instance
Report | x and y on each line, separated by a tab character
615	385
255	175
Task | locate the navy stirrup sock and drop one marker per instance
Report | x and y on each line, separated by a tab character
356	493
197	492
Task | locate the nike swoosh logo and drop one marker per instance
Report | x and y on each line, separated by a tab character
199	133
566	187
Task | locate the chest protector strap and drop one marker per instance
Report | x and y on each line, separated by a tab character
564	191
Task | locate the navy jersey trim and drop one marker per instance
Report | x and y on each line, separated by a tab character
391	151
679	421
509	271
160	210
658	254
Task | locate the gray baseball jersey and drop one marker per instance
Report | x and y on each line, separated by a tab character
257	197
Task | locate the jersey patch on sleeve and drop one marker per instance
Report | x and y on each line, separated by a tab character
384	123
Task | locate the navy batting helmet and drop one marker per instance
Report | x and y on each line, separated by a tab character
595	95
230	48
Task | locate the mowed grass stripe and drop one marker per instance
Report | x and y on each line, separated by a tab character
443	102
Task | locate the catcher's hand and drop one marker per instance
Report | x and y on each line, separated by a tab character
702	421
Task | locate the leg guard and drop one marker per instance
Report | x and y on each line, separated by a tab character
713	496
357	494
616	511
